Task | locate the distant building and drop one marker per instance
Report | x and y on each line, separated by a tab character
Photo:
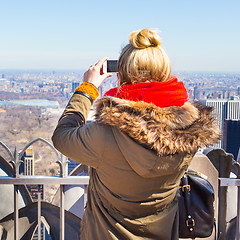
34	190
100	90
74	85
233	109
28	160
231	137
219	109
224	110
27	169
191	93
196	93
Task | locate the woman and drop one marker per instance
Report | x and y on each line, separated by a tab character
143	139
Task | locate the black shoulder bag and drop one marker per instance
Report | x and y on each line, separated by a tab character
196	209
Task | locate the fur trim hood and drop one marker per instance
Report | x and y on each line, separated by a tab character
167	130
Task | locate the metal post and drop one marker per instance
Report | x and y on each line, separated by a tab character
39	214
238	216
44	230
62	213
238	199
238	209
85	195
16	237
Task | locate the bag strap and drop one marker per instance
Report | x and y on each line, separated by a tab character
190	223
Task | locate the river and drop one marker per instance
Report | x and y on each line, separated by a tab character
32	102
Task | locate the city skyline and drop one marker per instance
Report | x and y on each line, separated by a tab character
64	35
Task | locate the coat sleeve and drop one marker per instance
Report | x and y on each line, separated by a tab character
79	142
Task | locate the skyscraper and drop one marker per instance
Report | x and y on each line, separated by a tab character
231	137
28	170
196	93
100	90
224	109
233	110
74	85
28	159
34	190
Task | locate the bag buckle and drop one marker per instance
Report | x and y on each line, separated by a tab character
190	223
186	186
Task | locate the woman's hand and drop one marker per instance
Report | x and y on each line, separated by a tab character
95	74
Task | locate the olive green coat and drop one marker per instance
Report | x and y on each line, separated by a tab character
137	153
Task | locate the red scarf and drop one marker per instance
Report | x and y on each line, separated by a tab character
162	94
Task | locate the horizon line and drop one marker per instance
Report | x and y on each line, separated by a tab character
83	70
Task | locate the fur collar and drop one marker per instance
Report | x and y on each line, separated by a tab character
167	130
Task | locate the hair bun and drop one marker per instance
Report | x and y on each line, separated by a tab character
144	39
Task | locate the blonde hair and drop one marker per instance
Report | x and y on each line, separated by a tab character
143	59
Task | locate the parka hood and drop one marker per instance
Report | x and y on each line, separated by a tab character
157	132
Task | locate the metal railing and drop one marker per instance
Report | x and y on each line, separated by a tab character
226	182
41	180
62	180
79	180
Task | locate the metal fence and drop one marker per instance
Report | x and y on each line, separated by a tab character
226	182
64	180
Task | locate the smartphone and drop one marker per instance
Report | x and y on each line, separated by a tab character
110	66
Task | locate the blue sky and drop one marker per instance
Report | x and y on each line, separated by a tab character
198	35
